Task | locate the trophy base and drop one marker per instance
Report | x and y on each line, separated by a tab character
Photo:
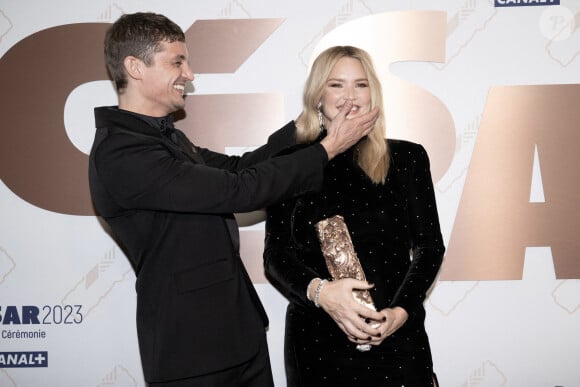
363	347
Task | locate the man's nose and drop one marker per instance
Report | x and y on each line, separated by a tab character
188	72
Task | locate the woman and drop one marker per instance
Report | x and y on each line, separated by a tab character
383	190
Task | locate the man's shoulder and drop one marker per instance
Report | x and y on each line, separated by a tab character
111	120
112	117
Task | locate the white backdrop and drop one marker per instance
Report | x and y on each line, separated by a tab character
67	271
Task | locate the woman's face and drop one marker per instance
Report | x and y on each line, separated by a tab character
347	81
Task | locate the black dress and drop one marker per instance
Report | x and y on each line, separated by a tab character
396	234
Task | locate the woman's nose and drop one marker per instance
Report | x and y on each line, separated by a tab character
350	94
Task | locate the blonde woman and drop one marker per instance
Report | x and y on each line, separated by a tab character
384	191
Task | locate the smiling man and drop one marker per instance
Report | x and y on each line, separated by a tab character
170	205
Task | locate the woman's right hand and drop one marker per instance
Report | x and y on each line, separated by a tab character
358	322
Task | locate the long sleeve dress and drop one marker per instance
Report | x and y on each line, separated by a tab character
396	234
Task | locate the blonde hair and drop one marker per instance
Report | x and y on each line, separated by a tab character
372	153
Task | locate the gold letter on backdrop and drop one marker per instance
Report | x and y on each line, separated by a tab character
495	221
37	160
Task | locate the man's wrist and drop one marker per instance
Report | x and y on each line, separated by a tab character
330	152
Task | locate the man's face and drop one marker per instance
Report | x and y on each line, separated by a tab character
163	82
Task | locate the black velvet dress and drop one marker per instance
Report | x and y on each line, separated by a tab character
396	235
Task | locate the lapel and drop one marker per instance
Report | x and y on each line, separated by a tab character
233	230
138	124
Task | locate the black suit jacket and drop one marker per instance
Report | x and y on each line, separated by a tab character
197	311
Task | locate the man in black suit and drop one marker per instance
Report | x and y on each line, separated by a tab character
170	205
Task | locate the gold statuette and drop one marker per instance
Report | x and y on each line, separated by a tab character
341	258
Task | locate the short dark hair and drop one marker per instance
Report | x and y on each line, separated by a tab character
140	35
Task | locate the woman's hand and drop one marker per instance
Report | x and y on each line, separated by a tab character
395	318
359	323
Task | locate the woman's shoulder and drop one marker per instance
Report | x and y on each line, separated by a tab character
407	155
399	147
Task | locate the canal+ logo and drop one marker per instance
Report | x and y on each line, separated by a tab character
525	3
23	359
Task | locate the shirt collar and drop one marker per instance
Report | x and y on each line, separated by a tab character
164	124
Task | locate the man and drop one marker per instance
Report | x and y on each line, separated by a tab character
170	204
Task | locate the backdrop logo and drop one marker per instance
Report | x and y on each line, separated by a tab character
524	3
23	359
47	314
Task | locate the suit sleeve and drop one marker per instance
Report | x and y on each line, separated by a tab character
277	142
142	174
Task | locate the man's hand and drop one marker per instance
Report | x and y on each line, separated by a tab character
344	132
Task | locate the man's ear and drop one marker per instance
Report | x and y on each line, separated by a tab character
133	67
